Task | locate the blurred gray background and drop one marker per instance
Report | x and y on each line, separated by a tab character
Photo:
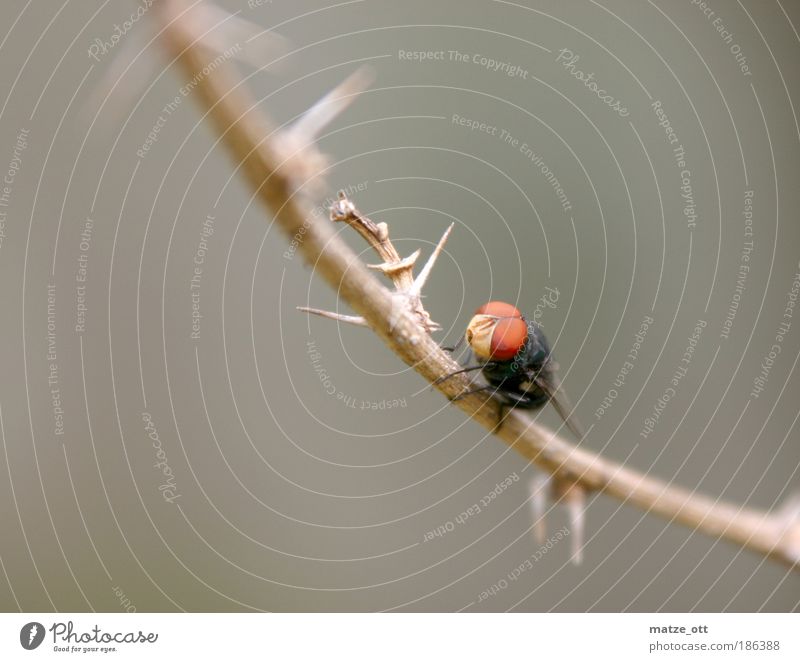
308	464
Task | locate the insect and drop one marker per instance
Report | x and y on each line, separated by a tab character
514	358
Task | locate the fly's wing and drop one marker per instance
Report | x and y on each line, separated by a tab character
549	383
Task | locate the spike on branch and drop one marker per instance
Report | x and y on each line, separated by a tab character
408	290
540	490
356	320
302	160
573	496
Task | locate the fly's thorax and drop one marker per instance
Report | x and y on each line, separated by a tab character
531	361
536	351
496	372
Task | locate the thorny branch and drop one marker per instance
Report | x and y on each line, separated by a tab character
278	164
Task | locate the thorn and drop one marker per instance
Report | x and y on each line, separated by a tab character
539	502
303	162
790	508
309	127
789	521
349	319
430	325
575	498
390	268
419	281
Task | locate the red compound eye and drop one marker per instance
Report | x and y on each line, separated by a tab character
508	337
498	309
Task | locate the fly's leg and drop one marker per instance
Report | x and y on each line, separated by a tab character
505	406
457	372
454	347
480	389
502	412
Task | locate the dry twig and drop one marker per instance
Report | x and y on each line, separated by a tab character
277	168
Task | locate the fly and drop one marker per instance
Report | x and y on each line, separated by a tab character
515	360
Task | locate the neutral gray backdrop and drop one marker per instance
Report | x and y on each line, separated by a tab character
292	497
